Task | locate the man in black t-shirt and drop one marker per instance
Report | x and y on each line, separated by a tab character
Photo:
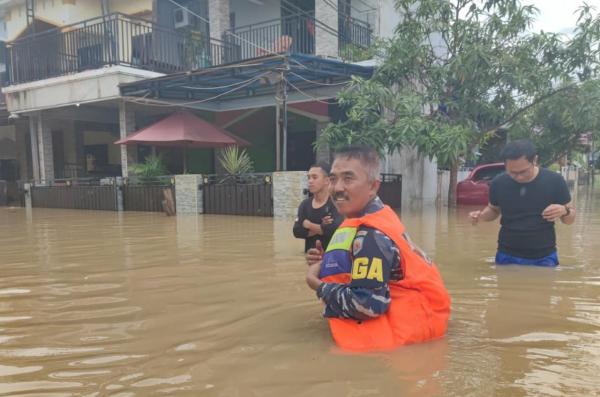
317	216
529	200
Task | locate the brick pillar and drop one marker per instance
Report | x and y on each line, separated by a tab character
323	153
188	195
126	127
46	150
218	14
326	40
288	193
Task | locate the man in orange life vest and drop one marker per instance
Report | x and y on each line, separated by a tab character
380	291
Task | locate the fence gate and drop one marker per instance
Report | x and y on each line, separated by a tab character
146	195
250	194
81	194
390	191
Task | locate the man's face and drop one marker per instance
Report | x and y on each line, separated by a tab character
317	180
520	170
350	187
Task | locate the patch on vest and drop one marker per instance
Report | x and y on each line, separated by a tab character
357	245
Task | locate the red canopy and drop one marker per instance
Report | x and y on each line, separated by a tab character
183	129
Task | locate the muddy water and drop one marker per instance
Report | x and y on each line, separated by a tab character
102	304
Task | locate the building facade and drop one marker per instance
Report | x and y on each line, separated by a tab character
67	59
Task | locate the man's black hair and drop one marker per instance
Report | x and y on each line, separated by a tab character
520	148
322	165
365	154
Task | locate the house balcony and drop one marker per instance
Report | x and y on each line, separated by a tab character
299	34
115	39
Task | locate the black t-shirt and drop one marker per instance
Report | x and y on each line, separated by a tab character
524	232
316	215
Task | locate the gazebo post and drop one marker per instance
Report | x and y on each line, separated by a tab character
185	160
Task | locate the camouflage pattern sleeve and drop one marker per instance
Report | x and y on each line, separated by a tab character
375	261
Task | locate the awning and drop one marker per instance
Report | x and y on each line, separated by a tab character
183	129
249	84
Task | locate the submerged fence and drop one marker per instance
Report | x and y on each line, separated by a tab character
108	194
84	194
262	194
250	194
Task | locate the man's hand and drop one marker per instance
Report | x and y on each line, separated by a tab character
489	213
315	255
554	212
474	216
312	275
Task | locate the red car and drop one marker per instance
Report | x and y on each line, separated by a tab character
475	189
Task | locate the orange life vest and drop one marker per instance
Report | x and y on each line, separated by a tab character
420	305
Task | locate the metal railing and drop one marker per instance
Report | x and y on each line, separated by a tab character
297	34
294	33
115	39
354	38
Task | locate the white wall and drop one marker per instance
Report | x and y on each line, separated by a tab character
247	13
388	18
419	175
59	12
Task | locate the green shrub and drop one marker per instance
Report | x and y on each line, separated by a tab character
150	170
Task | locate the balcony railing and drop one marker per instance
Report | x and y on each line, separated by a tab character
297	33
115	39
354	38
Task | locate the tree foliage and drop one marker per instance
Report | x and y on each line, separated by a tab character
457	71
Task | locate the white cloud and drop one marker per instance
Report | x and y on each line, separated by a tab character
558	15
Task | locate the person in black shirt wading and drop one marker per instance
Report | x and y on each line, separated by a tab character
529	199
317	216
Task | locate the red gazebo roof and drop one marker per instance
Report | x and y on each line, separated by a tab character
183	129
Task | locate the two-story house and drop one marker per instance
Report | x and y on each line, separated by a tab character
82	73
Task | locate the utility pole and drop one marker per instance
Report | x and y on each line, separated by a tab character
30	13
281	118
284	109
105	8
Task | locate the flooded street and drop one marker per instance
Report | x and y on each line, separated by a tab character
139	304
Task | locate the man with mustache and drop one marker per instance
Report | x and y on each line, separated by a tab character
380	291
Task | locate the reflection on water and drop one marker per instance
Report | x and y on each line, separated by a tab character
138	304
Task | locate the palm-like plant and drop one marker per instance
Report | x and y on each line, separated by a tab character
235	161
150	169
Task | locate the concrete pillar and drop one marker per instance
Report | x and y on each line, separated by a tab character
46	150
326	39
27	191
119	190
21	131
126	127
218	14
35	154
323	153
288	193
188	194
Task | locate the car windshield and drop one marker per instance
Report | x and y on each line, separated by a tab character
488	173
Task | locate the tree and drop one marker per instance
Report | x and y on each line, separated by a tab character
457	71
557	124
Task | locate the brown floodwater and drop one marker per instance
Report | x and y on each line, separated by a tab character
139	304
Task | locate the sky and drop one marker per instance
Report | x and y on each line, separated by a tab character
558	15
